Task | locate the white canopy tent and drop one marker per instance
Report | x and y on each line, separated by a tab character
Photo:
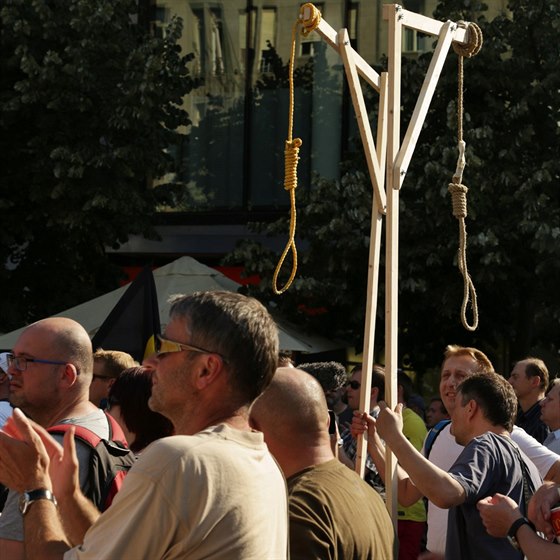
183	276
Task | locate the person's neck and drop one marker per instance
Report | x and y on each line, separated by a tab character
237	419
527	402
296	459
78	407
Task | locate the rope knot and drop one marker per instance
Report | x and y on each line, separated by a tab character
311	21
458	199
291	158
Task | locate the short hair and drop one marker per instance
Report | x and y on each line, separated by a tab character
484	365
113	361
494	395
331	375
534	367
237	327
72	343
553	384
285	359
293	405
131	391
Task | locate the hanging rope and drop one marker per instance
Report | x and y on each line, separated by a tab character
458	191
292	146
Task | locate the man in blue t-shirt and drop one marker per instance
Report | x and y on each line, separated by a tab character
490	462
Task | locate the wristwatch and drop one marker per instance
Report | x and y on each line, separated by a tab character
511	536
27	498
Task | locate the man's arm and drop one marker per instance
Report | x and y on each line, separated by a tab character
408	493
543	500
78	513
553	473
434	483
24	467
498	514
44	535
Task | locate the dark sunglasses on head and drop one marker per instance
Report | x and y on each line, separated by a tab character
354	384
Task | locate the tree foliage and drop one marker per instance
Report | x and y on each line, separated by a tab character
88	103
511	126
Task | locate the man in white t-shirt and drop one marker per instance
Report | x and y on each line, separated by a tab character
550	415
213	490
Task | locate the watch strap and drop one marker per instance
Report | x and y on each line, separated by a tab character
512	533
28	498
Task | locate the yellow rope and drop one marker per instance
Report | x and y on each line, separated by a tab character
458	191
292	146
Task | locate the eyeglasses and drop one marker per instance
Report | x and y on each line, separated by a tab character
20	362
165	346
354	384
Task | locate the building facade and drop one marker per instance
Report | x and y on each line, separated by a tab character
231	161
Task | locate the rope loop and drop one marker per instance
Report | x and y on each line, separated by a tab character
458	191
310	23
292	146
474	40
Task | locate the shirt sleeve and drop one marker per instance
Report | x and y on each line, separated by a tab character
474	469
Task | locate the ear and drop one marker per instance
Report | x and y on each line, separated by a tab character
110	383
374	393
472	408
70	375
210	367
535	381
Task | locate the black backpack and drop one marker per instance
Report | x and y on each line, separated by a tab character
110	460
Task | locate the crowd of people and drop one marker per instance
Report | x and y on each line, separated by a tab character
219	446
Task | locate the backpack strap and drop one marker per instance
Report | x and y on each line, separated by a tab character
115	431
91	438
432	435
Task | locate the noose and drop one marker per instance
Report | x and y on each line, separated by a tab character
458	191
291	148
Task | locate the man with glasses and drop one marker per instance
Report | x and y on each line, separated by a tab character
50	370
107	366
213	490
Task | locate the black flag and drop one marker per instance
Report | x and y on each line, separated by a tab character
133	323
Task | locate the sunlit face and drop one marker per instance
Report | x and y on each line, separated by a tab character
522	385
454	370
550	408
172	386
35	390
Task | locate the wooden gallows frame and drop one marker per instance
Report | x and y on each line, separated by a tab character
387	164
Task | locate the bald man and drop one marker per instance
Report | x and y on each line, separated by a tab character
333	512
51	368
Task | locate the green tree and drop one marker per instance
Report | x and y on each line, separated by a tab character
512	134
89	100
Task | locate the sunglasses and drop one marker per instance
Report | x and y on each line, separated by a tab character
354	384
166	346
